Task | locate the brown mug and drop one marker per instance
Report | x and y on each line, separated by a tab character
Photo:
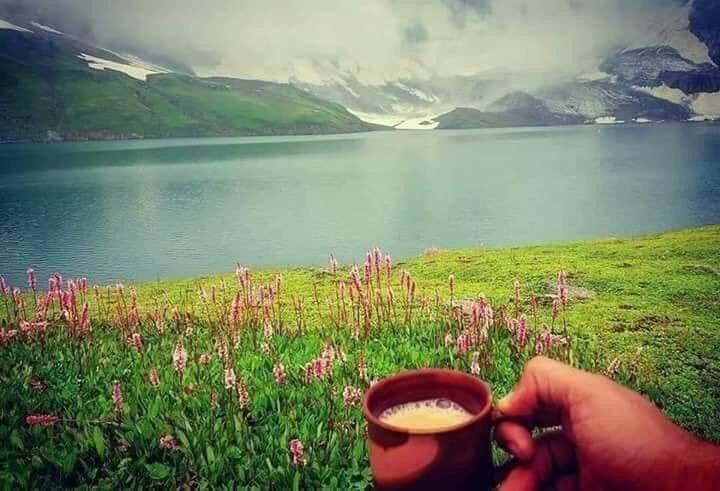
457	457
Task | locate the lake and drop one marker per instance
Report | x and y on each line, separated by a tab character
143	210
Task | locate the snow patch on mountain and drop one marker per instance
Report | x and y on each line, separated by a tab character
137	72
417	93
46	28
707	105
664	92
382	119
596	77
424	123
7	25
671	27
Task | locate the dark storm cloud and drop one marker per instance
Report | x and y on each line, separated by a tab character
375	40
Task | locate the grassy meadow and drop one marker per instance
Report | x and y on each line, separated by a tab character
218	381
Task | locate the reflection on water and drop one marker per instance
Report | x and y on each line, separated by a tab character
119	211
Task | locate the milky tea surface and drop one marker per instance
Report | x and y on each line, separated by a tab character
429	414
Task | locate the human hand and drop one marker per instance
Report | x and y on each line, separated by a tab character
609	438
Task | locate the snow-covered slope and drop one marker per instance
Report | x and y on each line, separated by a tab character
135	71
8	25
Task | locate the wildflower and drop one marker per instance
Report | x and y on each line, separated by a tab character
4	290
266	348
451	284
613	368
7	336
463	344
133	316
136	342
388	266
562	288
449	340
154	377
179	357
279	373
204	359
516	292
202	294
243	395
168	442
117	397
84	324
521	332
356	283
214	400
18	299
222	351
351	396
534	305
37	384
268	330
547	340
235	309
555	308
475	364
362	368
278	284
31	279
41	420
296	450
230	378
333	264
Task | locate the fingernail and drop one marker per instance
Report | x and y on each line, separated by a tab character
504	403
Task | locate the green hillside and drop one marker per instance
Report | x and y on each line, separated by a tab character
46	89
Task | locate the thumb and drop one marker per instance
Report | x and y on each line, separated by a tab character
543	395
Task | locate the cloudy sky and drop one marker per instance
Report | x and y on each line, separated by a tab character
375	40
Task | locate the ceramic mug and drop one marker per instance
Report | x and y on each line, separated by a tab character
457	457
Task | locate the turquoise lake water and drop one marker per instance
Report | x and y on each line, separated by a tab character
142	210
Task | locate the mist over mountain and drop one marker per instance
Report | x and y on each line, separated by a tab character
403	63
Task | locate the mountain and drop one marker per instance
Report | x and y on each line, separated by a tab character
514	109
53	86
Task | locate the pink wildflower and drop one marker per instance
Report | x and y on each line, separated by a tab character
235	309
555	308
31	279
333	264
516	292
448	340
613	368
168	442
41	420
451	283
37	384
84	324
279	372
179	357
562	289
202	294
4	290
388	266
204	359
475	364
230	379
463	344
362	368
136	342
297	452
154	377
351	396
117	397
243	395
521	332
